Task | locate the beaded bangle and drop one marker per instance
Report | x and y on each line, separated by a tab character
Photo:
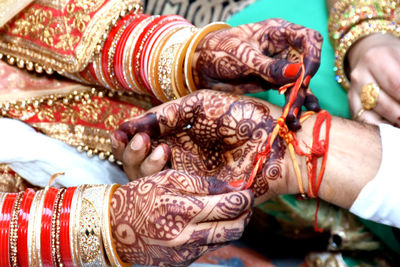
5	220
159	73
108	50
192	48
345	14
14	230
357	32
55	228
64	240
45	234
23	223
109	245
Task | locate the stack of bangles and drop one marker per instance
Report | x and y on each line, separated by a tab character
58	227
351	20
151	55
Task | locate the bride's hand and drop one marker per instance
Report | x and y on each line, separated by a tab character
212	134
257	57
172	218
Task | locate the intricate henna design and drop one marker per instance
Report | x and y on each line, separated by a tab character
259	56
213	134
172	218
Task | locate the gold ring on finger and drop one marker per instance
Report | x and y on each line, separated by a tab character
369	96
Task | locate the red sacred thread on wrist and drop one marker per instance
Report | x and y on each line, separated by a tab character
45	234
5	220
319	147
65	249
23	222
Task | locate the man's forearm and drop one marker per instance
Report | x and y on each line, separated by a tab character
354	158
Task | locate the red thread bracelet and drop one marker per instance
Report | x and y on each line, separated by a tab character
5	220
65	248
23	222
45	234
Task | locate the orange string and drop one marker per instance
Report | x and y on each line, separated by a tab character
318	148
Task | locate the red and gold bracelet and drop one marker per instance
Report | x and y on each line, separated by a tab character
23	222
129	57
5	220
139	48
55	228
148	45
45	234
119	54
107	56
65	249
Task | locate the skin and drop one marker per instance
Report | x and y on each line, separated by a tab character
172	218
349	167
375	59
212	134
259	56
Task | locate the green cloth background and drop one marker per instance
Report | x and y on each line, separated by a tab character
312	14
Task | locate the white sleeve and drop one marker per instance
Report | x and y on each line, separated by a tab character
379	200
36	157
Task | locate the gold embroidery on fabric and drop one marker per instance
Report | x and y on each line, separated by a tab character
10	181
72	32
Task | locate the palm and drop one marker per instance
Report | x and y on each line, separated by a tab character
212	134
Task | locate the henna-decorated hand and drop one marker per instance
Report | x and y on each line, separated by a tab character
172	218
212	134
257	57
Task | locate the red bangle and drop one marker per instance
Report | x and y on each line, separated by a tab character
45	233
65	248
161	27
23	222
119	50
139	49
5	220
107	46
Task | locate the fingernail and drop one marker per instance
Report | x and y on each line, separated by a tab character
114	142
137	142
292	70
157	154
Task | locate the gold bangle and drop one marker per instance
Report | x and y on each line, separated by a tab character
31	227
74	224
181	88
157	71
192	48
88	246
357	32
36	248
345	14
109	245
